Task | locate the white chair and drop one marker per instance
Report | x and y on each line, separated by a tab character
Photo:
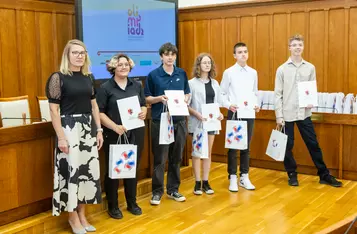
15	111
44	109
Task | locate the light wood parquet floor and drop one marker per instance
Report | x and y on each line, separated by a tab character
274	207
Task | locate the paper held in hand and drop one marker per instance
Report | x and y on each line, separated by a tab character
246	102
176	103
211	112
129	109
307	93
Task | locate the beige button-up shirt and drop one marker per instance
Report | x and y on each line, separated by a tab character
286	90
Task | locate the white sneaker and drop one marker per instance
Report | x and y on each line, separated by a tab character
233	185
245	182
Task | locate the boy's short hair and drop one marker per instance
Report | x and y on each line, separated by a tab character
239	44
168	47
296	37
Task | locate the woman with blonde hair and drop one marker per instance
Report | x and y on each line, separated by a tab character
204	89
71	95
119	87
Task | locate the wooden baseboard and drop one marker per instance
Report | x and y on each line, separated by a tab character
46	223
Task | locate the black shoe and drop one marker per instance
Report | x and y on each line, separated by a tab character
207	188
134	209
177	196
197	189
115	213
293	181
330	180
156	199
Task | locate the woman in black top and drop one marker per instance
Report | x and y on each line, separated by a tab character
71	95
119	87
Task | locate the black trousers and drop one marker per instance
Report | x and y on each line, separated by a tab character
136	137
174	154
306	129
244	154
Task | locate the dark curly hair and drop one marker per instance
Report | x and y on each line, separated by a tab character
196	72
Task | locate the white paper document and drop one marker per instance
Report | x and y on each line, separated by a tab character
307	93
129	109
211	112
176	103
246	102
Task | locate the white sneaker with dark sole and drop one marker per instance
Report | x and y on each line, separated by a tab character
177	196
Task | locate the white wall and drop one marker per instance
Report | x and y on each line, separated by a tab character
190	3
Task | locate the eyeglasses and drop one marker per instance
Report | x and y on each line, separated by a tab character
123	65
206	63
77	53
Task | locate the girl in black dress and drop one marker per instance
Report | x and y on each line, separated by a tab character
71	95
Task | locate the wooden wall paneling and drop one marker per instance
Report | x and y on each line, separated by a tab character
64	33
349	148
8	175
297	26
231	38
336	67
47	56
186	42
352	59
217	47
263	52
280	42
201	37
346	49
9	54
27	59
326	50
34	157
316	45
246	36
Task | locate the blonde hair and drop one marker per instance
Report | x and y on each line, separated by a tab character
196	72
114	62
64	68
296	37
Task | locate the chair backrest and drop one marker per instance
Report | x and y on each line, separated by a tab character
15	111
44	109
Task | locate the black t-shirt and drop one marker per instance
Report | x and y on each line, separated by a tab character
209	92
73	93
110	92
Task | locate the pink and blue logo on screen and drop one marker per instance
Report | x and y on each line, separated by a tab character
134	22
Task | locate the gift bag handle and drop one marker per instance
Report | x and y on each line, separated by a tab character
164	108
236	114
126	141
282	129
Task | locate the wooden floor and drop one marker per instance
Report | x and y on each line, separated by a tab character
273	207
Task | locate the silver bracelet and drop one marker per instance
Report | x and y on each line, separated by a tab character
99	129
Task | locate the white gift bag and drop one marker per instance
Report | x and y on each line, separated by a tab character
200	143
166	136
122	160
277	145
236	134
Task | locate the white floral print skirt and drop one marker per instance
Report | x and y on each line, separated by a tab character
76	174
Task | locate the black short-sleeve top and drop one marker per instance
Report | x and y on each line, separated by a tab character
110	92
73	93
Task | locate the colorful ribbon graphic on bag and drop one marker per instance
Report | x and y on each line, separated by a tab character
235	135
197	142
125	161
